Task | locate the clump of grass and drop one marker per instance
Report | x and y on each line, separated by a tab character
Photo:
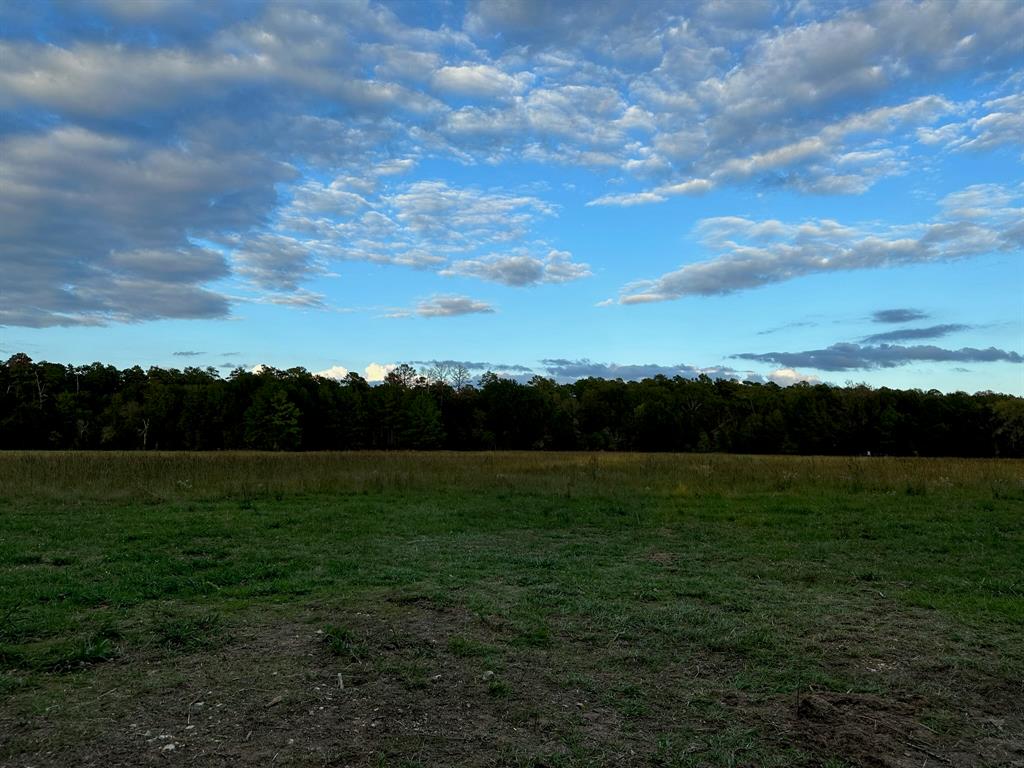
464	647
94	648
343	643
11	658
62	655
188	632
413	676
534	634
498	688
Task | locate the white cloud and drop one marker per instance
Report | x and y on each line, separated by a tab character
784	377
628	199
420	224
999	122
691	187
377	371
521	269
275	262
452	306
821	163
658	195
997	128
433	208
338	372
299	298
123	149
99	228
394	167
481	80
333	200
758	253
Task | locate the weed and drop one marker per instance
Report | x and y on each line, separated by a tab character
188	632
464	647
498	688
343	643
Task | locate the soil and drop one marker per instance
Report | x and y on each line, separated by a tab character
276	695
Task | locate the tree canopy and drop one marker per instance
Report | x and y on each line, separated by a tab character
51	406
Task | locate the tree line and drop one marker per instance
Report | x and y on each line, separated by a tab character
46	405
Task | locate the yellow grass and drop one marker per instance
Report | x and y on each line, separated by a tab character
154	475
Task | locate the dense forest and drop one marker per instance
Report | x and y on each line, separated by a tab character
50	406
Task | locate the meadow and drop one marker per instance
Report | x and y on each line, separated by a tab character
510	609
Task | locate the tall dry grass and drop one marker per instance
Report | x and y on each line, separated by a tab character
159	476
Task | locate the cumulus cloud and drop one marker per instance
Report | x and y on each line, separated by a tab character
479	80
628	199
299	298
994	123
377	371
421	224
758	253
520	269
274	261
452	306
658	195
822	163
539	25
569	124
434	208
785	377
337	372
813	65
98	227
846	356
1002	123
150	151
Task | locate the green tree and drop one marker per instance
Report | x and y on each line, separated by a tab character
272	422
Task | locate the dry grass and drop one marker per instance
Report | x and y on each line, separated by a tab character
166	475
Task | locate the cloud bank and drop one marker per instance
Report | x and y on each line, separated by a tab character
849	357
170	160
979	220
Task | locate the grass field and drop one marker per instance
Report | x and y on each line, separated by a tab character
510	610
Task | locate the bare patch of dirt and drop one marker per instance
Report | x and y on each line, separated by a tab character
278	696
422	684
870	730
864	729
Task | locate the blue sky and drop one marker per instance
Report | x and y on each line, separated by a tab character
779	190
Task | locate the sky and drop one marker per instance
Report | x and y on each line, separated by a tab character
766	190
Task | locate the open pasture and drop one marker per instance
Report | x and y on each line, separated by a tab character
522	609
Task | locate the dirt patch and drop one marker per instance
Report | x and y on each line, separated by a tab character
865	729
885	732
278	695
410	682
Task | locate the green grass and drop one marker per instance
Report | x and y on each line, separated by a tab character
343	643
668	608
186	631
